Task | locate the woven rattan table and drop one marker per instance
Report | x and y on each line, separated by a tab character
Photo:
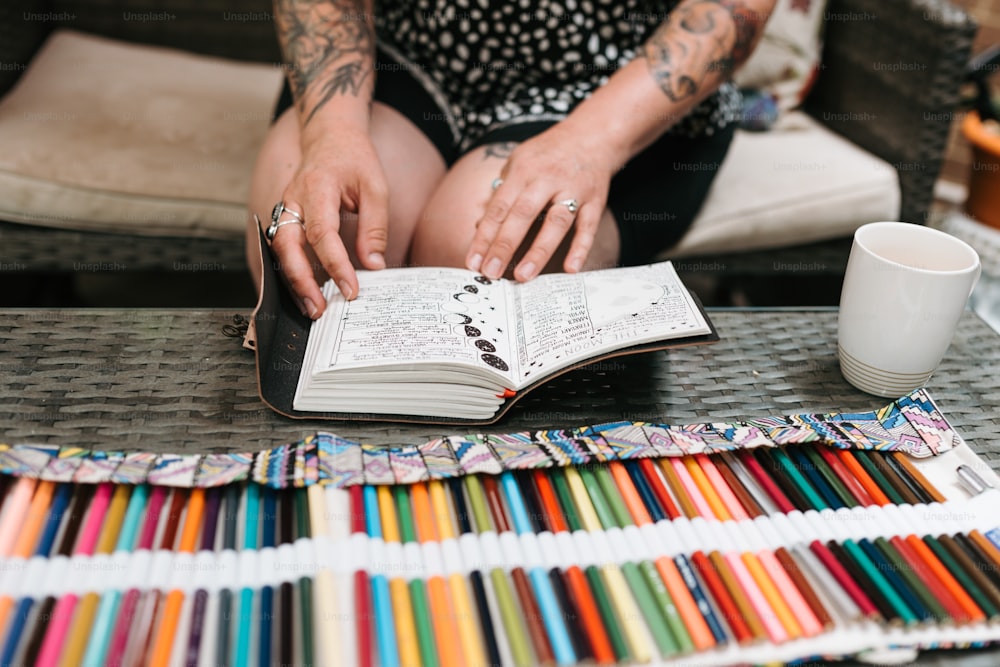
168	380
171	380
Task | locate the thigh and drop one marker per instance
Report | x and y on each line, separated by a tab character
448	223
413	168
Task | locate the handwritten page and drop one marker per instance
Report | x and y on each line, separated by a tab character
566	318
413	316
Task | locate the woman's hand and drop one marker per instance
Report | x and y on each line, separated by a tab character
550	175
339	174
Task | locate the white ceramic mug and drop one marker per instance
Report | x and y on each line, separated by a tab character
905	289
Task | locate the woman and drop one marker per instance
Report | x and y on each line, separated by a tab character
507	136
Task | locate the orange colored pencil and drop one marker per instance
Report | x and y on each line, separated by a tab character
640	515
442	610
165	636
944	576
931	490
707	490
34	520
461	595
858	471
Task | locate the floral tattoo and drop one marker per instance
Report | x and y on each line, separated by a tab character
721	33
329	47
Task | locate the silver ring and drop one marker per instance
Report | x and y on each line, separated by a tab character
276	221
571	205
497	182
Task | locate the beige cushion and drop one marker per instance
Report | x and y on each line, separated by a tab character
794	184
786	60
104	135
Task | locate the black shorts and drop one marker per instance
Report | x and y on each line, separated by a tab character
654	198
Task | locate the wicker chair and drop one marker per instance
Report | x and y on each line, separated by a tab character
910	111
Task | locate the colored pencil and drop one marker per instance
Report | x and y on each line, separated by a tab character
286	589
746	569
727	507
515	624
304	585
444	617
162	643
740	504
231	521
556	631
363	586
324	505
84	614
594	582
853	464
382	601
460	593
420	601
681	600
402	602
52	635
977	565
526	595
591	637
477	585
619	592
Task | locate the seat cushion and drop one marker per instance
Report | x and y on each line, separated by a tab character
796	183
110	136
787	59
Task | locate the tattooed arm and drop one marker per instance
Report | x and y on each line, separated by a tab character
338	184
696	49
682	63
701	44
329	48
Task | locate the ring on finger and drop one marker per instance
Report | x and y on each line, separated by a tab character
276	221
571	205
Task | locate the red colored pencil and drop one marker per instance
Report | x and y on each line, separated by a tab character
362	586
845	580
773	491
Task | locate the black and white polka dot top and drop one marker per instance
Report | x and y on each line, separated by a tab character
491	63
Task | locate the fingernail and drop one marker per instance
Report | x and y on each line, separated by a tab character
376	260
574	264
528	270
311	308
345	289
493	268
475	262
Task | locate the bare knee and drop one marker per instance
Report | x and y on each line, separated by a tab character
441	237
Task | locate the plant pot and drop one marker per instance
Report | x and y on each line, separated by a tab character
983	203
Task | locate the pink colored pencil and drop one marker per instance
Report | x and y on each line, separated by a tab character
15	508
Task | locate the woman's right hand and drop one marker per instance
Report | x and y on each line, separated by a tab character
339	174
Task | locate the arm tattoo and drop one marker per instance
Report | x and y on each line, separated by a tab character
698	40
501	150
329	47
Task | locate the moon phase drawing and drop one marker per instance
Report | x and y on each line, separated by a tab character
495	361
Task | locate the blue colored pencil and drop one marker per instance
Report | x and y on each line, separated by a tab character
385	623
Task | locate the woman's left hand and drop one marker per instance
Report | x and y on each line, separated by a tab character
561	174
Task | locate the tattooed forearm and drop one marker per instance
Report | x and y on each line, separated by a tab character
329	46
702	43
